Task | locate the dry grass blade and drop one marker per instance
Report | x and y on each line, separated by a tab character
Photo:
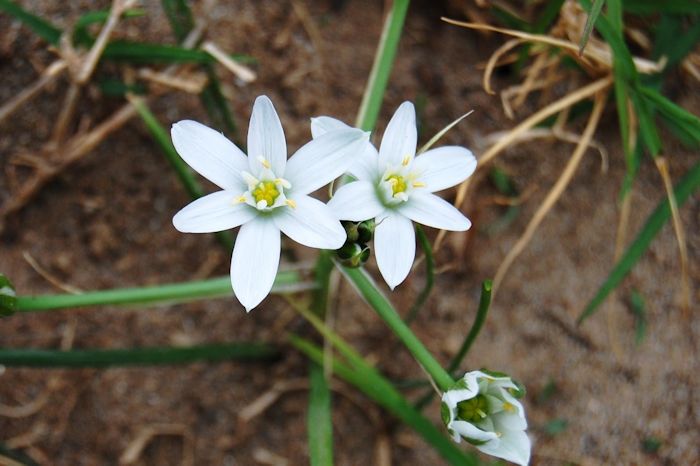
556	191
662	166
243	73
134	450
48	276
494	61
193	83
442	132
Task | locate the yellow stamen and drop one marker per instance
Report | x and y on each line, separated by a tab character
265	163
265	191
418	184
406	160
291	203
398	184
508	407
238	200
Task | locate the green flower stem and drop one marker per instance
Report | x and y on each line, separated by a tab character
484	304
137	356
285	281
368	290
383	63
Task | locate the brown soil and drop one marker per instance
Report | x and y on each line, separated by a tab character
106	222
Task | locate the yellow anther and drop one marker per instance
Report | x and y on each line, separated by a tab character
239	200
508	407
398	184
406	160
418	184
291	203
265	163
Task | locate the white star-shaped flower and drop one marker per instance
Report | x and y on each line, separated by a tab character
263	193
395	187
482	410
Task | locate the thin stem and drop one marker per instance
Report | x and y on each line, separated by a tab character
383	63
484	304
368	290
170	293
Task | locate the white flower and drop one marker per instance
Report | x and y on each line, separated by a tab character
394	187
263	193
482	409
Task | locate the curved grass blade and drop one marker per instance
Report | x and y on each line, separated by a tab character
429	275
675	112
685	187
318	421
138	356
170	293
376	387
80	30
40	26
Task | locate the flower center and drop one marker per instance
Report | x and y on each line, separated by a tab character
473	410
398	184
265	191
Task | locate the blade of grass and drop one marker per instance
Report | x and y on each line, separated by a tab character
8	297
661	215
383	63
184	174
376	387
40	26
590	22
429	275
638	307
371	294
137	356
180	17
319	423
80	32
169	293
649	7
673	111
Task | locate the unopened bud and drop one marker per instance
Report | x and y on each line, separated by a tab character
8	297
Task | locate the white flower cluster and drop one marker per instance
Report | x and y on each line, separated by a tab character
264	193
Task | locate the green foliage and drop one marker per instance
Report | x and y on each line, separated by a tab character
556	426
137	356
40	26
590	21
638	307
8	297
319	423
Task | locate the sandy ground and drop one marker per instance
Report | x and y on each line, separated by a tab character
106	222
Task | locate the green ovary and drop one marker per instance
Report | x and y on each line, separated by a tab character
473	410
266	191
398	184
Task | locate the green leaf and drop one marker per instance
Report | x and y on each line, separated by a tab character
381	69
118	88
556	426
481	313
143	52
180	17
318	422
137	356
590	22
678	114
40	26
8	297
80	30
649	7
685	187
429	275
170	293
376	387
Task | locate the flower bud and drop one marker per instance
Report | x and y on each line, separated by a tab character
8	297
353	254
483	410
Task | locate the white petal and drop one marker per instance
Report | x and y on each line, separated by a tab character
356	201
324	159
214	212
209	153
452	397
310	223
399	140
255	260
433	211
444	167
365	167
266	138
323	124
505	420
471	432
395	247
513	446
